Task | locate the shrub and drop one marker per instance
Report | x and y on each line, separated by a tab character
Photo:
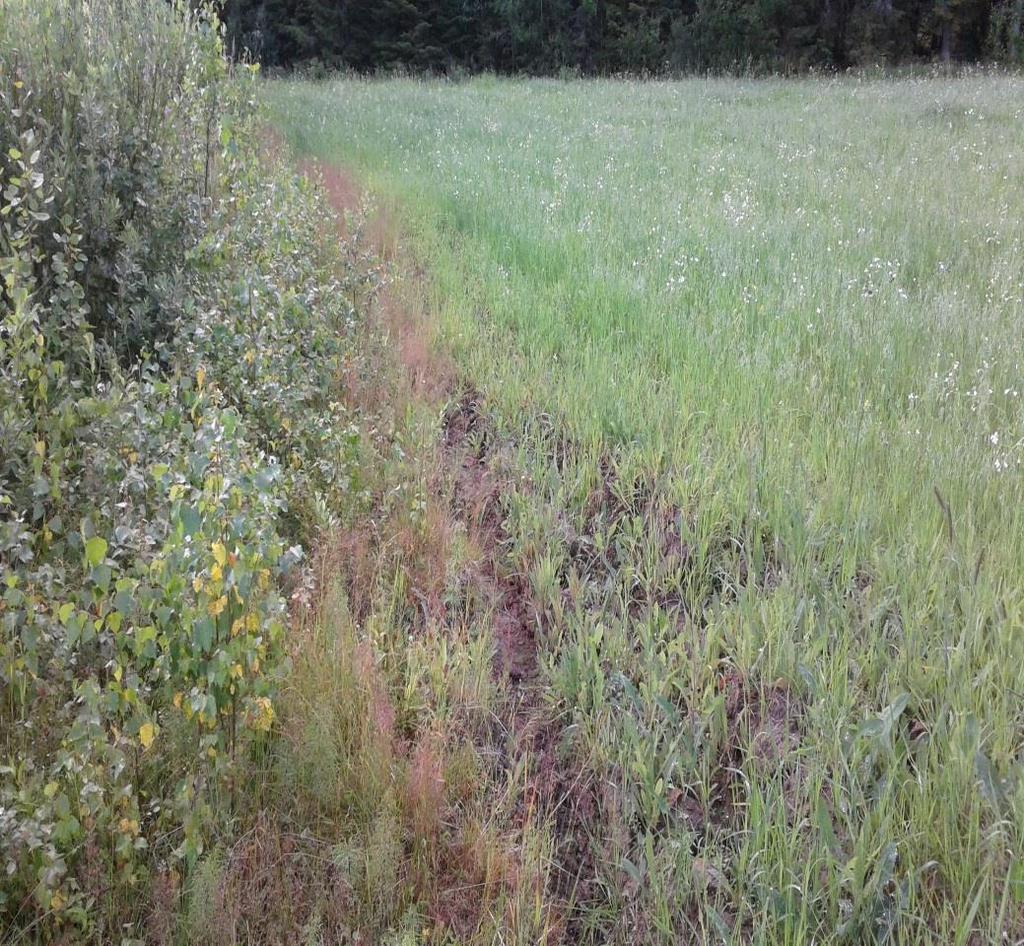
171	331
108	112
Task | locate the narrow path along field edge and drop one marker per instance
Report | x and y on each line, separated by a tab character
466	484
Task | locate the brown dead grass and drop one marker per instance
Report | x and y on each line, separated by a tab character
477	501
276	884
466	495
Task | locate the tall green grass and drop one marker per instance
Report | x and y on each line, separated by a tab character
790	312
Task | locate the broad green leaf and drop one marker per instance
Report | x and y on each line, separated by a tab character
202	634
95	550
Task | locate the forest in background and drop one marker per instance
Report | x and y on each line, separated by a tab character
546	37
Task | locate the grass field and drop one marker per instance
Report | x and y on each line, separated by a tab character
753	351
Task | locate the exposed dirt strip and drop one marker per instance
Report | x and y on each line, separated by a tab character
466	495
428	376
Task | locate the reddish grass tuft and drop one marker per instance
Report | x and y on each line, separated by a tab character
424	790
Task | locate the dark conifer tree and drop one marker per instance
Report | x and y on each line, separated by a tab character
613	36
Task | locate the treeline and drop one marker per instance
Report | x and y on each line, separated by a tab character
611	36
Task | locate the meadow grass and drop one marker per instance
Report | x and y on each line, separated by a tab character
774	327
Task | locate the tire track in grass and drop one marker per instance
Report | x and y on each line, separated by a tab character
466	495
465	445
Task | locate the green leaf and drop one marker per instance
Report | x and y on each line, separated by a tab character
95	550
993	788
101	576
635	873
145	639
1015	880
66	610
880	728
202	634
718	922
826	831
124	602
190	520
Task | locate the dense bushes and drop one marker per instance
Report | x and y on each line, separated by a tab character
117	101
170	333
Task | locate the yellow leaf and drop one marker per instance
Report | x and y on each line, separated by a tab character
177	700
201	377
263	717
147	733
51	789
220	554
197	584
236	671
216	607
215	573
